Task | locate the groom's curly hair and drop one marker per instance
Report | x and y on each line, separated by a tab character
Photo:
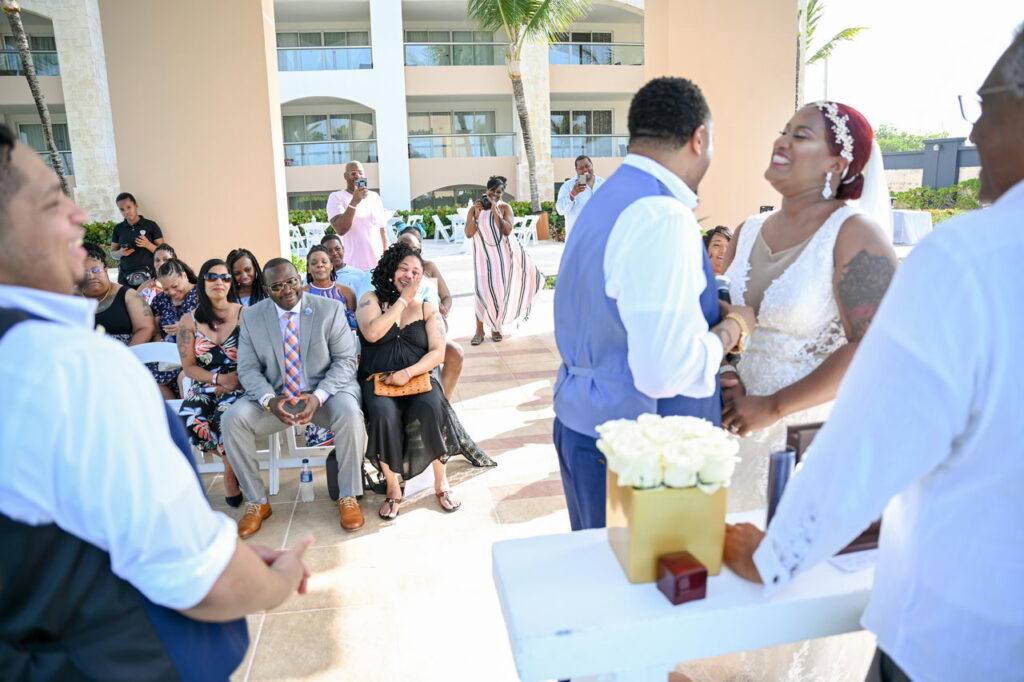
383	279
666	112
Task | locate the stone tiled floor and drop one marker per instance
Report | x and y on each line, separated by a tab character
413	599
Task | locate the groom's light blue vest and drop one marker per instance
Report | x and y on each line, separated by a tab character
594	382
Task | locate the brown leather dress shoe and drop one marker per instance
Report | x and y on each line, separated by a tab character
350	513
255	515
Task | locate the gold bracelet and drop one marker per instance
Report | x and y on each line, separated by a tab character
741	345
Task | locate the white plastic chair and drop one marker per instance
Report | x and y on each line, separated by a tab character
440	231
315	232
414	220
458	227
526	232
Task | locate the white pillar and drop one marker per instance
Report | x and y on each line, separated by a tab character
78	33
388	38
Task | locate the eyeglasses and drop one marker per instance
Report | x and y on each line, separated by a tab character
93	271
970	105
214	276
290	283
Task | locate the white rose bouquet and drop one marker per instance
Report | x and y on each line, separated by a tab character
675	452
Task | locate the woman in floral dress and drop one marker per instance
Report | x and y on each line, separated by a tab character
207	341
176	301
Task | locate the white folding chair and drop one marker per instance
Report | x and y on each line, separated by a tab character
526	232
414	220
315	232
440	231
458	226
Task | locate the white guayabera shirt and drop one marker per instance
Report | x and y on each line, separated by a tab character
929	425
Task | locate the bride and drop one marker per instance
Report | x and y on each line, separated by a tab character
815	272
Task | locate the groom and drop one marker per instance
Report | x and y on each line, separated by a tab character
637	318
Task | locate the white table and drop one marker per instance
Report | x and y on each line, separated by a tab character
910	227
570	611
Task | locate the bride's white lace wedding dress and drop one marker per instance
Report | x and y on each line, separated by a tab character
798	326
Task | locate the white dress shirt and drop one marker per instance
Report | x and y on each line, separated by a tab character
282	319
569	206
654	269
88	449
928	426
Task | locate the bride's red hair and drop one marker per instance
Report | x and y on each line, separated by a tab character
862	134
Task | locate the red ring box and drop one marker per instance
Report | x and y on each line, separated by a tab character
682	578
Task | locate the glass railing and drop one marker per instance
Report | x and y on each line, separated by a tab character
323	58
606	54
461	146
45	61
455	54
69	166
571	146
330	153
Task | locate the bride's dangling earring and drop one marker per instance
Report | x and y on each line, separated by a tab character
826	192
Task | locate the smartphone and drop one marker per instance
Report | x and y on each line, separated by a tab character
581	179
361	183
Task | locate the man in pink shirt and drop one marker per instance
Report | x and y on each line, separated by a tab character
357	214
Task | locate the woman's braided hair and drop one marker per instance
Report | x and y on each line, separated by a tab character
383	279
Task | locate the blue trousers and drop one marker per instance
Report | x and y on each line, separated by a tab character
584	477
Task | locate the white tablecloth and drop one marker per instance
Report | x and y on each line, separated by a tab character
571	612
910	227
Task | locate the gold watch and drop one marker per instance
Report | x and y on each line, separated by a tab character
741	345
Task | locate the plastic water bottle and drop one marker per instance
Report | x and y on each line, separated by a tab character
306	482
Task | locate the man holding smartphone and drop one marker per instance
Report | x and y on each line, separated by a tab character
357	214
573	196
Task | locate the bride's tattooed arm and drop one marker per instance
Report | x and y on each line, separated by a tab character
864	281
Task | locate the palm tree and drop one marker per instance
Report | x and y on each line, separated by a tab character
12	8
809	23
526	21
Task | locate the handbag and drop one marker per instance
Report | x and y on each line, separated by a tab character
418	384
136	278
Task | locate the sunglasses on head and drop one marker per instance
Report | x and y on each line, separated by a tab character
214	276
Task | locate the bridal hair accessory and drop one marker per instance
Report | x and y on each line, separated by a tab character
842	133
826	191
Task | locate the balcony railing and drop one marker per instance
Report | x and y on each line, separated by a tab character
461	146
455	54
571	146
606	54
330	153
323	58
45	61
69	166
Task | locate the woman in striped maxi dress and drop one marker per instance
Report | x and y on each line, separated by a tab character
506	277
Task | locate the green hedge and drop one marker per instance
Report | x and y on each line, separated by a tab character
101	234
962	197
556	222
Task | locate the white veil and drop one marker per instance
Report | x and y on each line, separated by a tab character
874	199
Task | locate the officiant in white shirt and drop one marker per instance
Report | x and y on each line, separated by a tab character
574	193
928	426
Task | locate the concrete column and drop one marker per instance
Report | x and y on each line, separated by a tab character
78	32
388	41
538	102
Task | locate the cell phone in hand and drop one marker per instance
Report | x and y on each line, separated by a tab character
581	179
361	183
295	407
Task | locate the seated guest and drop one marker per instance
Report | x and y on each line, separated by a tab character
402	338
120	310
320	282
453	355
148	290
208	345
297	363
177	299
133	242
247	278
344	273
717	242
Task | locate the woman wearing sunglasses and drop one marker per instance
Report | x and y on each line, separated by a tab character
208	344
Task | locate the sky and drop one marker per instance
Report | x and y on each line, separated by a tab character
907	69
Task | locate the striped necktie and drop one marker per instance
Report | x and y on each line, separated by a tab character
292	365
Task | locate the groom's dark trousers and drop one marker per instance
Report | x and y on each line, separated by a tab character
584	477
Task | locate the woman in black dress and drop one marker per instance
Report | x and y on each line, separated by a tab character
401	335
120	310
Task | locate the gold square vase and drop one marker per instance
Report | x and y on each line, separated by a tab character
645	524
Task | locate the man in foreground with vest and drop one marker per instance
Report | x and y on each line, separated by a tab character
637	318
114	567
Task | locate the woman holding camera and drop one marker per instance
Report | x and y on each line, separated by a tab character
506	277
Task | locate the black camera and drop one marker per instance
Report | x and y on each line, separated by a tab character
485	202
361	183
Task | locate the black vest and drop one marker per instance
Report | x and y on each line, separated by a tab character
64	615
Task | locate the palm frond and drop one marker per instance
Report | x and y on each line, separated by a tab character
825	51
554	16
494	15
814	11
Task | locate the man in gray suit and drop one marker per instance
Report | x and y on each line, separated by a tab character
297	364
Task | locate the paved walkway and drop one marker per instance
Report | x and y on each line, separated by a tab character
413	599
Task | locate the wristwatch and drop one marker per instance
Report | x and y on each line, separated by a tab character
741	345
265	401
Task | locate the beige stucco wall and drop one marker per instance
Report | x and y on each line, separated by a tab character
14	92
750	93
569	78
198	121
433	81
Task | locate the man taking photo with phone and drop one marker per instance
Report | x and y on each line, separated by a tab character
357	214
574	195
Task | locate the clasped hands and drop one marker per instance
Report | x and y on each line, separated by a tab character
279	407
